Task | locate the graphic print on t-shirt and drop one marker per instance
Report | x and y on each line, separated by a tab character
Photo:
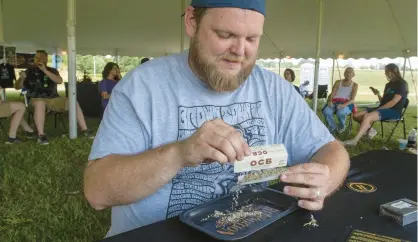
4	73
195	185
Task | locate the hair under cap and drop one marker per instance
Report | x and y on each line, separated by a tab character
255	5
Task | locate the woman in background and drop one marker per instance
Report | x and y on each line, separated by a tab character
290	76
111	76
341	101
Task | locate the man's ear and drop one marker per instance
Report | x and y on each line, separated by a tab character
190	22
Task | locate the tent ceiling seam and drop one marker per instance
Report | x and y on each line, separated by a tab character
272	42
397	23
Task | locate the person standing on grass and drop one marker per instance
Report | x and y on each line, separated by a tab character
41	82
341	101
174	127
15	110
111	76
391	104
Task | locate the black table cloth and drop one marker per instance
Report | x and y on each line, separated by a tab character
88	96
393	174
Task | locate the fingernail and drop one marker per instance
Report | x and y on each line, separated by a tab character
284	177
286	190
300	203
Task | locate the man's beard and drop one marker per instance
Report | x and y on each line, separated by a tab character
211	76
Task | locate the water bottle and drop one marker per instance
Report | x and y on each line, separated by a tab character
412	138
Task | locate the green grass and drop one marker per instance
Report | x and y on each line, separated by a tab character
41	193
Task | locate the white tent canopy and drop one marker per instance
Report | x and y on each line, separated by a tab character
354	28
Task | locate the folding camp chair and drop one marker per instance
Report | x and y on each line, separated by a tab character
396	121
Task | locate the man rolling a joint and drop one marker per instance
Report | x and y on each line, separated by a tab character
173	127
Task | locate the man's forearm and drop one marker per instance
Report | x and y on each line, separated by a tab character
55	78
337	159
117	180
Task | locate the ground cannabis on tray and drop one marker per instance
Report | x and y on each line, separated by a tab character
229	217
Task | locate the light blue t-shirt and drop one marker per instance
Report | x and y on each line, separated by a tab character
163	101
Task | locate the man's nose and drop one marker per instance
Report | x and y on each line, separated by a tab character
238	47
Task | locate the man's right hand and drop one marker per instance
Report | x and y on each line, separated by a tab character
213	141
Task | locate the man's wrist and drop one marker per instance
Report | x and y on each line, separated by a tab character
176	153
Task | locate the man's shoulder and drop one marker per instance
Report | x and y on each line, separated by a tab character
267	76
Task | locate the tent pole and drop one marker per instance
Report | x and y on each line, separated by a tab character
2	45
280	63
413	80
404	66
72	82
338	67
318	54
116	56
333	69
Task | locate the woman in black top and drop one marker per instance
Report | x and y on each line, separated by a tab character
391	104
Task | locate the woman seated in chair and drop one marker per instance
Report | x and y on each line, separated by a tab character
391	104
111	76
341	101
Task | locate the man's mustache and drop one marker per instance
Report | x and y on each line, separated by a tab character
232	58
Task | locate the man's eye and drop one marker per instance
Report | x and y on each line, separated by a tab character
224	35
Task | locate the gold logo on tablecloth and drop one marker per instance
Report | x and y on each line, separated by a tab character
361	187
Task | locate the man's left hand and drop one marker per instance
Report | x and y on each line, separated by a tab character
310	182
340	106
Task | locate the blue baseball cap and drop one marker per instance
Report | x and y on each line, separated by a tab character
255	5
